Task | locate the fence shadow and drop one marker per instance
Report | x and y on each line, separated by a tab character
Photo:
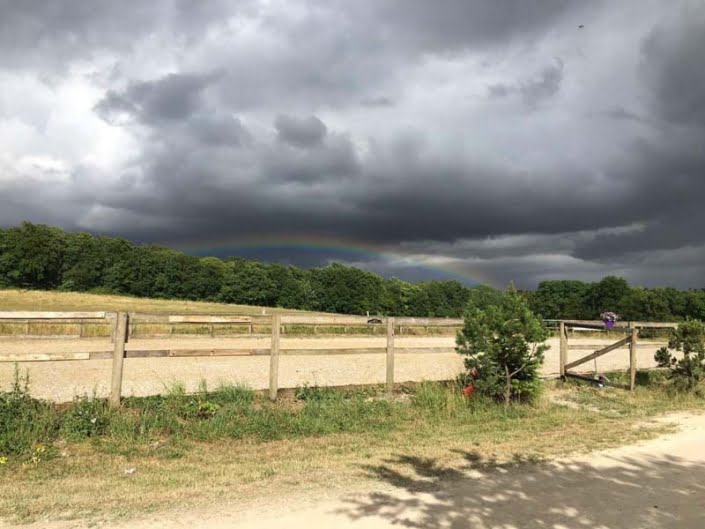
624	493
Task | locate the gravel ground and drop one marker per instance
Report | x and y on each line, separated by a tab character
61	381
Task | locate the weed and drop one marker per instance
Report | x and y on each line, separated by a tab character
87	417
24	421
316	394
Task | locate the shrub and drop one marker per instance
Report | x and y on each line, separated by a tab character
87	417
688	372
503	347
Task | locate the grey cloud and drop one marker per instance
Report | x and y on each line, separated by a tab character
672	67
380	101
173	97
35	33
329	162
219	130
458	24
534	90
479	185
620	113
301	132
543	86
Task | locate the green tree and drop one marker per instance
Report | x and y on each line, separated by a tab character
484	296
561	300
347	290
607	295
503	345
247	283
398	296
687	372
31	256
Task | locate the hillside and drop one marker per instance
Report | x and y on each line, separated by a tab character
38	300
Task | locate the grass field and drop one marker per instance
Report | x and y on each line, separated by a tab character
37	300
34	300
232	445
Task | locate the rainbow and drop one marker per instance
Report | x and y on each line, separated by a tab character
355	252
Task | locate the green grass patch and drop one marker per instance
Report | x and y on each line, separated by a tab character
230	442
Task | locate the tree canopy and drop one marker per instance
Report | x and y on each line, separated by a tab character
36	256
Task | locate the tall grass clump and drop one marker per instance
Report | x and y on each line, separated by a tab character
87	417
25	422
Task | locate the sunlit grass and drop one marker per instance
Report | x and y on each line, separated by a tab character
230	443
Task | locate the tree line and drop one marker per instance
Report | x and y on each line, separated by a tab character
36	256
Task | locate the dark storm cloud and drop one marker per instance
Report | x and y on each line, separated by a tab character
672	67
301	132
371	122
669	171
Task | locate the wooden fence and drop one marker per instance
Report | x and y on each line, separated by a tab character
122	326
631	329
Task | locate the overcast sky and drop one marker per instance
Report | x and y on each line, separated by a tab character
498	139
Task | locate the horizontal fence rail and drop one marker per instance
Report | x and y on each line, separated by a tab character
121	327
91	325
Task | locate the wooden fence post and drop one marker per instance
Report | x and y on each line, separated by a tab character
563	349
274	358
632	355
111	318
121	323
390	355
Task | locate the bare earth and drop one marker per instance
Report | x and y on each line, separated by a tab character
61	381
653	485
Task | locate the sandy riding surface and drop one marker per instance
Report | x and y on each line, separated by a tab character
655	484
61	381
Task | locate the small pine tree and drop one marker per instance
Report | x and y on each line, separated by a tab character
503	345
688	372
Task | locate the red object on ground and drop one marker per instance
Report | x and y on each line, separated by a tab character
468	390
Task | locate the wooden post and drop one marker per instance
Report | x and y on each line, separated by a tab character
274	358
632	355
121	323
111	317
563	348
390	355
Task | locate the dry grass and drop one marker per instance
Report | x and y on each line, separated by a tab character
89	483
37	300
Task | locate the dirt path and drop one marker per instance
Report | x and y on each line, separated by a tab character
655	484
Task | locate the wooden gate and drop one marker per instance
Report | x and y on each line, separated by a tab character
631	329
